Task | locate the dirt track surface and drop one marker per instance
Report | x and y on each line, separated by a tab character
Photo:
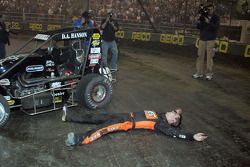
146	80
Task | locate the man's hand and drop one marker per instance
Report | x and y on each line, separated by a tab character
200	136
207	19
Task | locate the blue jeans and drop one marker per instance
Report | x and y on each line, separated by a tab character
2	50
114	51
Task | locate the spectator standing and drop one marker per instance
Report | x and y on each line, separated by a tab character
208	24
4	38
84	21
109	27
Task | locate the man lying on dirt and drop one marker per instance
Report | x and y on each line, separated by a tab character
166	123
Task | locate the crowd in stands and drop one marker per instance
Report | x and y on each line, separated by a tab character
49	7
159	11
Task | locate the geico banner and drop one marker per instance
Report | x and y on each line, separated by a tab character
35	26
13	25
141	36
247	51
172	39
119	34
53	27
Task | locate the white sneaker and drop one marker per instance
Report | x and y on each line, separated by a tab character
64	114
71	139
196	76
209	77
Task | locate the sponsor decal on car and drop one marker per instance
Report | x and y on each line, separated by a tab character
50	69
94	59
35	68
14	58
94	56
5	82
58	94
95	50
7	97
11	102
43	37
95	43
74	35
50	63
58	99
56	85
96	36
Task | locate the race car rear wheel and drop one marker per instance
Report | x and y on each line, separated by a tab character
4	111
94	91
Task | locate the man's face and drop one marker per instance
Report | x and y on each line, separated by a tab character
210	10
173	117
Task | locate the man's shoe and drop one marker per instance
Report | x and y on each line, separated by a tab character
113	69
64	114
196	76
209	77
71	140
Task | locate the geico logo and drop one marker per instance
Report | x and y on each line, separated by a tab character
53	27
119	34
172	39
34	26
247	51
223	46
143	36
95	136
13	25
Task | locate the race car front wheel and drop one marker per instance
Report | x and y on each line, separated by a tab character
4	111
94	91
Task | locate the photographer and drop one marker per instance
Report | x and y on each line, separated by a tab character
4	38
109	27
208	24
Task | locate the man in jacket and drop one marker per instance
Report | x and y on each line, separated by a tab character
208	24
109	27
165	123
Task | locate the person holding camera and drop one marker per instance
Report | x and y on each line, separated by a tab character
4	38
208	24
109	27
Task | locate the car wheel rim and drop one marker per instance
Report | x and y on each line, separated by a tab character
99	93
2	112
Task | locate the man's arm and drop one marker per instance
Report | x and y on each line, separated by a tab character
172	132
214	23
104	23
115	25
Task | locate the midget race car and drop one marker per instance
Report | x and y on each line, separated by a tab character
53	69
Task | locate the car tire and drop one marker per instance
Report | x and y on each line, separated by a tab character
94	91
4	111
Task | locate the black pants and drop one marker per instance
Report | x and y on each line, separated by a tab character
107	123
2	50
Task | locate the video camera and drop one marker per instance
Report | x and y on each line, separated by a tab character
203	11
110	14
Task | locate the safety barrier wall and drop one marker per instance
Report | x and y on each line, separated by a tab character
223	46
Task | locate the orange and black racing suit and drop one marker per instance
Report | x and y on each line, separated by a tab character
124	122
